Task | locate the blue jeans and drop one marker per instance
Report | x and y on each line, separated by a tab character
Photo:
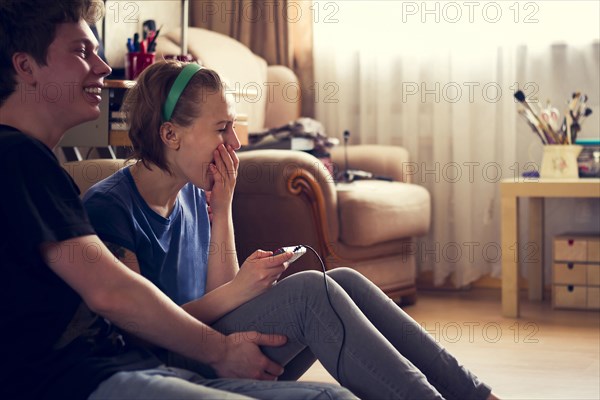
363	339
164	383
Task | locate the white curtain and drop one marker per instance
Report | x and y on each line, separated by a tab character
438	78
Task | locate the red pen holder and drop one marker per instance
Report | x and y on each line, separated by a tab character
136	62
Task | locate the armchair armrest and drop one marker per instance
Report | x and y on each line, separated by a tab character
284	99
88	172
295	196
381	160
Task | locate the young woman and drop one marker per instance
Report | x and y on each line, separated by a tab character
154	216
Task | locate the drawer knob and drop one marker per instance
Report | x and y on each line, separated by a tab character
571	241
570	265
570	288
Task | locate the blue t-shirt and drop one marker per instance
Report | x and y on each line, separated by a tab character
172	252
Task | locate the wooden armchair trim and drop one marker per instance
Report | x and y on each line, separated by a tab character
303	183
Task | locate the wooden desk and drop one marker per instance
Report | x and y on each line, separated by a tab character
536	190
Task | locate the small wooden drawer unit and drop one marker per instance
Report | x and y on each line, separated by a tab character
576	271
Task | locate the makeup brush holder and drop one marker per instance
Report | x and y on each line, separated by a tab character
560	161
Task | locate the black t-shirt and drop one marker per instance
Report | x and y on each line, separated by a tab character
39	202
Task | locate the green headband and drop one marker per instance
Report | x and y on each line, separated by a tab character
178	87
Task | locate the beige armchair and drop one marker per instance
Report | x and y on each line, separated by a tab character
285	198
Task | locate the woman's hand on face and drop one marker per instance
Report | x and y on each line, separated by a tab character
224	172
260	271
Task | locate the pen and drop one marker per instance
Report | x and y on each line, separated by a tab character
152	45
136	41
130	47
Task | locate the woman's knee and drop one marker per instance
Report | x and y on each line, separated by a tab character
347	276
354	283
310	285
304	279
340	275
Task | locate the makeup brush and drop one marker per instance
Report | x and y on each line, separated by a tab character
587	112
520	96
549	133
583	100
573	103
152	44
572	115
532	122
577	123
569	119
582	106
551	116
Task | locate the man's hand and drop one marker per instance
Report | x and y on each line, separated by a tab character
243	358
259	272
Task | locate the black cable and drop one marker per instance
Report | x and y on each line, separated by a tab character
333	309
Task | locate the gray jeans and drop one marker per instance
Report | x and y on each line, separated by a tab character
363	339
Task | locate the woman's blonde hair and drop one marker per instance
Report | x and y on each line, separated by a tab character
144	102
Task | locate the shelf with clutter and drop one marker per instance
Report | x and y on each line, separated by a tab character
108	129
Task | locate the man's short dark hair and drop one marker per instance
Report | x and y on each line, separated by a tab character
29	26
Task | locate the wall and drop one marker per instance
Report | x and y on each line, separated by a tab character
124	18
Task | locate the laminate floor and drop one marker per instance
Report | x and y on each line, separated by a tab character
545	354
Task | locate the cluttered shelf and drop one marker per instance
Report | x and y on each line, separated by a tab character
98	133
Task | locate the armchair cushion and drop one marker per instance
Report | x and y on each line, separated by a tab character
372	212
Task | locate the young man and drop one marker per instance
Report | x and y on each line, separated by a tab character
61	289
